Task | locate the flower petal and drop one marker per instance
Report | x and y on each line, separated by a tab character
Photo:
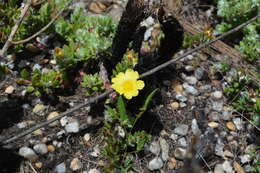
130	74
140	84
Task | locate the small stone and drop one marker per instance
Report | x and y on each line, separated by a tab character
217	106
40	148
200	73
60	133
75	164
64	121
189	68
96	151
174	137
38	165
181	98
155	164
214	116
182	105
86	137
9	90
180	153
53	61
246	158
51	116
228	154
50	148
28	153
219	148
195	128
182	142
227	167
175	105
190	89
165	149
230	125
120	131
219	169
94	171
172	164
22	125
238	168
205	88
248	168
217	95
38	108
191	80
61	168
155	148
38	132
178	89
213	124
238	123
181	130
97	7
72	126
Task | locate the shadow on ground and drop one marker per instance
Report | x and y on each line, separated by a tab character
11	113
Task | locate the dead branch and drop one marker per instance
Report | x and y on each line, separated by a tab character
8	43
106	93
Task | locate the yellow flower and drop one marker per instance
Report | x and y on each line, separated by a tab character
127	84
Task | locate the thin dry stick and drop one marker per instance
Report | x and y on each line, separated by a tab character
8	43
44	28
248	120
103	95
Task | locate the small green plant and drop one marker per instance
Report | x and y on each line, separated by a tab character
221	67
44	82
92	83
86	35
129	61
254	153
33	22
189	40
245	96
234	13
121	142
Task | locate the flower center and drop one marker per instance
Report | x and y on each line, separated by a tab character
128	85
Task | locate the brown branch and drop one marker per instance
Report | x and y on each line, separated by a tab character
8	43
44	28
103	95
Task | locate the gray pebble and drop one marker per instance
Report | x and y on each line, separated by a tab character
200	73
61	168
190	89
181	130
28	153
155	148
180	153
181	98
40	148
155	164
165	149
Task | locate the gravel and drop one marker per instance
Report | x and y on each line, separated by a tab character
181	130
155	164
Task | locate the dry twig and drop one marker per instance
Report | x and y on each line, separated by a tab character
106	93
8	43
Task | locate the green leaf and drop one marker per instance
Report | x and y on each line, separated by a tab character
30	89
146	103
121	109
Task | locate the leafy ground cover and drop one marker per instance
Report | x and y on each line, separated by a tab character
201	114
